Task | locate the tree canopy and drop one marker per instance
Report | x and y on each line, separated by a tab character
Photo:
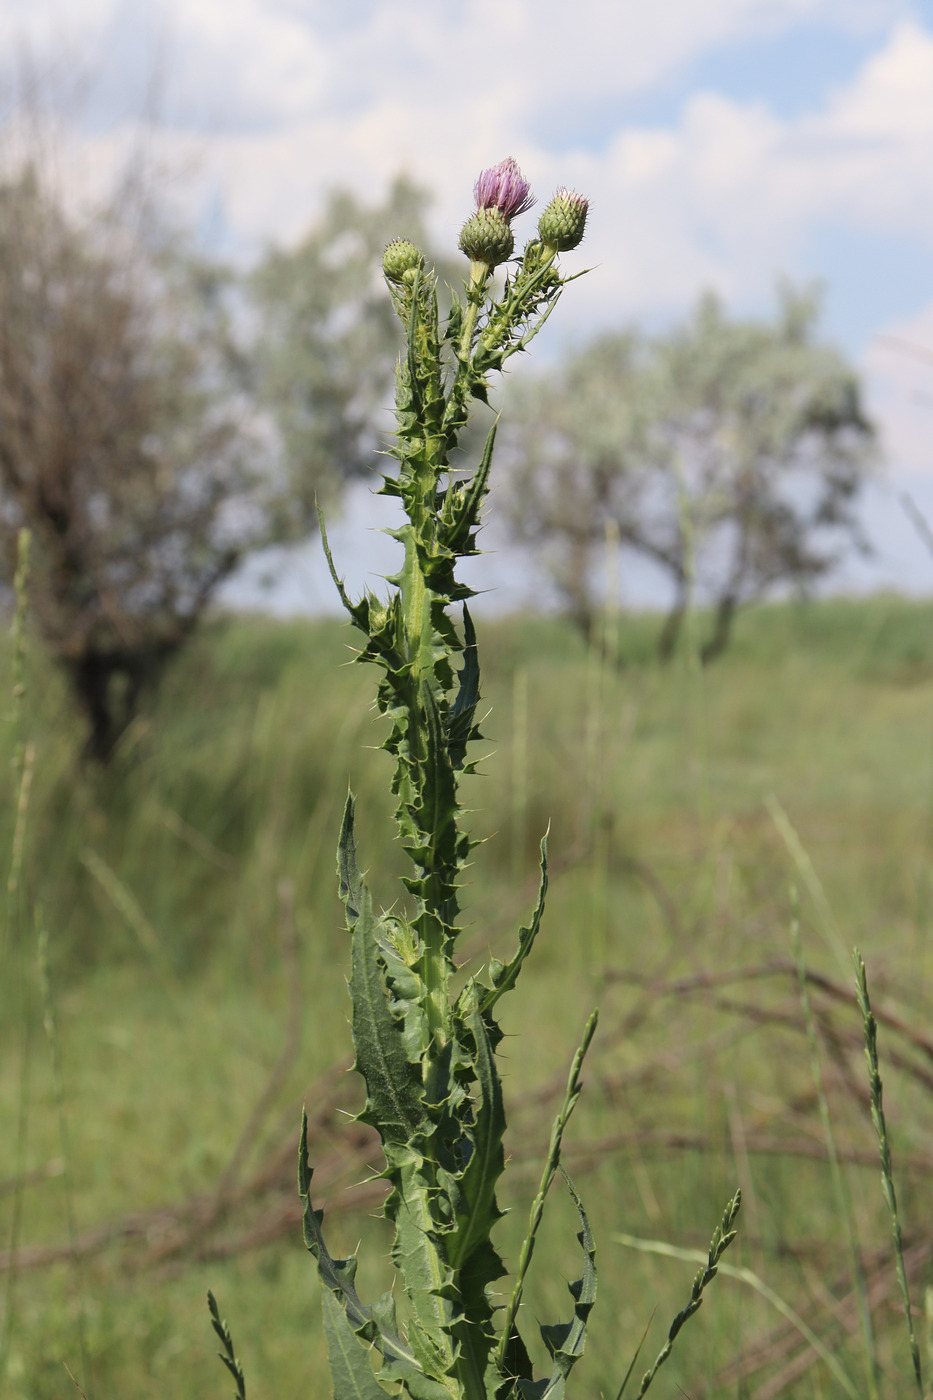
161	417
122	440
728	451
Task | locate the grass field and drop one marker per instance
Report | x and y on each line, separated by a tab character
197	964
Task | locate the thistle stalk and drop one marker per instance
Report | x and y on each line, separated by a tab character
428	1058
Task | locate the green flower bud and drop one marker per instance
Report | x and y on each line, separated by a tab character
487	238
402	260
562	223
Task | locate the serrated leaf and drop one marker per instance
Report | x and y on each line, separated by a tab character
411	349
394	1096
551	1166
336	1275
359	612
352	1375
516	1366
536	1390
505	976
457	537
407	991
348	872
565	1341
476	1208
438	787
460	725
375	1324
454	318
418	1254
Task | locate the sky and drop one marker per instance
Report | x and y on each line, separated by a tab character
722	143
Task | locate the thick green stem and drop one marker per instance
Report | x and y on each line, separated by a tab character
475	293
428	1058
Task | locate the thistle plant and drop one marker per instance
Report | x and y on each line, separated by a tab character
427	1054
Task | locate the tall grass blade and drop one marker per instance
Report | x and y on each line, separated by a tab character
519	769
751	1280
26	764
55	1051
870	1027
723	1236
694	651
634	1361
73	1381
840	1181
814	885
228	1356
126	904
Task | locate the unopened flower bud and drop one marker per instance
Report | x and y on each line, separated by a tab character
503	187
562	223
402	260
486	238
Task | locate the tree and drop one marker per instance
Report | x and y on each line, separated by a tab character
327	346
729	452
122	443
160	418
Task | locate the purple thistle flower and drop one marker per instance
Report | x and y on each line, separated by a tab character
505	188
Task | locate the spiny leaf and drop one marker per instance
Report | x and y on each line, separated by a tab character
375	1324
406	990
412	349
505	976
394	1096
470	1248
571	1095
337	1275
418	1254
359	612
565	1341
460	729
476	1208
348	872
439	801
465	516
350	1370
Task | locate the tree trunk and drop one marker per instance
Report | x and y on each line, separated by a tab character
670	632
91	676
722	629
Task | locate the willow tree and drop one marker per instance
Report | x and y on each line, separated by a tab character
122	442
729	452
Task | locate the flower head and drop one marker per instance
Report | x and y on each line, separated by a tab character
402	260
562	223
503	187
487	240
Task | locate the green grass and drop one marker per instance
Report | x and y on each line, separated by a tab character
666	865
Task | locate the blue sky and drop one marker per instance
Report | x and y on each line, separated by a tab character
722	142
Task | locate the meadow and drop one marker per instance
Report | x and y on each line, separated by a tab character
151	1082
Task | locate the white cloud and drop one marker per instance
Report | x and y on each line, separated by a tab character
301	57
246	63
732	194
273	101
898	365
